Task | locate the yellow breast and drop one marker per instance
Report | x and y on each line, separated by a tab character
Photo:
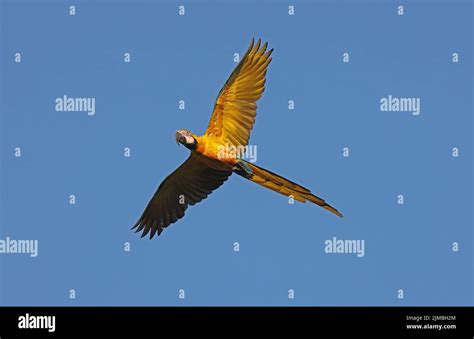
214	149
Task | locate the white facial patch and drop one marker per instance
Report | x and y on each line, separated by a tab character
189	139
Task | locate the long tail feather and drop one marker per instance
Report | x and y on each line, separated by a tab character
279	184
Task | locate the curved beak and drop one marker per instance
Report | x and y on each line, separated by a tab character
179	138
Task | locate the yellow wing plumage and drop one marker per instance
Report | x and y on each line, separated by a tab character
236	105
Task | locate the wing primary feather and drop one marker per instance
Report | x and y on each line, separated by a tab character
235	108
194	180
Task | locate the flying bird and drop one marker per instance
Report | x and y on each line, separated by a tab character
206	168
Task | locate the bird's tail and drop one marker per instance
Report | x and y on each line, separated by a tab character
279	184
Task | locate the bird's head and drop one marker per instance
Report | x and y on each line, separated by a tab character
186	138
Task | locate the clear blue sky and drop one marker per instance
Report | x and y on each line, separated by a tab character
189	57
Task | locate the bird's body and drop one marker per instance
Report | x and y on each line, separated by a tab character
209	149
208	165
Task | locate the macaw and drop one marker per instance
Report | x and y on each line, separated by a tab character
206	169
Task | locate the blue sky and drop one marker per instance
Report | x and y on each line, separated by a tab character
337	105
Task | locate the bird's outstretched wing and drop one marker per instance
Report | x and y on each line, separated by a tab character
236	105
190	183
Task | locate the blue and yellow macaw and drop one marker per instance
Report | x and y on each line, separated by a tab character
206	169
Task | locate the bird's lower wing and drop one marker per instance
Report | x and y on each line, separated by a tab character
279	184
190	183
